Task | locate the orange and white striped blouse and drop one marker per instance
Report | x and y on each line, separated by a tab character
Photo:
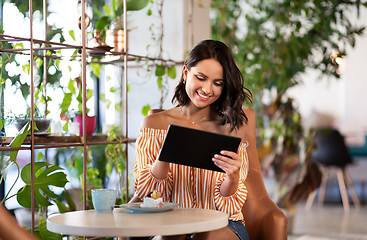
190	187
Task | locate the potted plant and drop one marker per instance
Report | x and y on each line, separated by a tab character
110	23
285	154
42	124
72	112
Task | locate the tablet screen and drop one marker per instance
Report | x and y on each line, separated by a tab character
195	148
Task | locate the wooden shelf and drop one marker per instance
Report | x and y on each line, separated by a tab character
52	141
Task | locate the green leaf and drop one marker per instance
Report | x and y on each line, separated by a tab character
43	179
118	107
109	167
75	53
160	70
40	156
18	141
145	110
80	95
70	201
103	22
160	82
48	192
26	68
45	234
57	62
35	126
171	72
135	5
66	126
36	94
26	171
112	90
107	9
18	45
103	98
61	206
89	94
119	10
114	6
38	62
95	69
71	86
22	195
66	101
72	34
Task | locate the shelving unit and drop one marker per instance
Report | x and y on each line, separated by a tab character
34	141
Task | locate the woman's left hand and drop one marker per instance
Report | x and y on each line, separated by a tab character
230	162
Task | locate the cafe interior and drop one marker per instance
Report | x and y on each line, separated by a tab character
303	62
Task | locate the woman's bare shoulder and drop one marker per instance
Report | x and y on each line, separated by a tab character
157	120
250	126
250	113
245	131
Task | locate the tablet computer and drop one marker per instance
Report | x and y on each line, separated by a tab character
195	148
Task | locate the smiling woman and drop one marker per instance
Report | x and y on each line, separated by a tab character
210	97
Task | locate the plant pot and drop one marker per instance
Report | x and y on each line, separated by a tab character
115	39
42	124
90	124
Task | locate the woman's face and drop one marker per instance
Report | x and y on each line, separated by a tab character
204	82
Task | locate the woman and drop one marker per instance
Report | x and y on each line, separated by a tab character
210	97
10	229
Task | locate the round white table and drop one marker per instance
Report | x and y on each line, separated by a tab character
124	223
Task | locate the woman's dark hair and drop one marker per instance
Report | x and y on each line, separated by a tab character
234	94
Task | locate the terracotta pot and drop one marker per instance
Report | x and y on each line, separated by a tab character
90	124
115	39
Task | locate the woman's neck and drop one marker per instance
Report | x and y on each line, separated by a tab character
195	115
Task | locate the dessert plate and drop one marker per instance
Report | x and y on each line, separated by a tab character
135	207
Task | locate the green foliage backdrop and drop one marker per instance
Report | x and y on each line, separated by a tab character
276	41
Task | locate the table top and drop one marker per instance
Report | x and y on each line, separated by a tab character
121	222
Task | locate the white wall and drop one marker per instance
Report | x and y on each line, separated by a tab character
346	98
178	39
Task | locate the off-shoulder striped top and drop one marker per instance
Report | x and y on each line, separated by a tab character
188	186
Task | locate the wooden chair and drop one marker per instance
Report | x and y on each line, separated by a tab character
264	219
332	153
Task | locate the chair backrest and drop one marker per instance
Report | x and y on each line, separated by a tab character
330	148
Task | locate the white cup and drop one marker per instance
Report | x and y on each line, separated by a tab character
56	128
74	128
103	199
